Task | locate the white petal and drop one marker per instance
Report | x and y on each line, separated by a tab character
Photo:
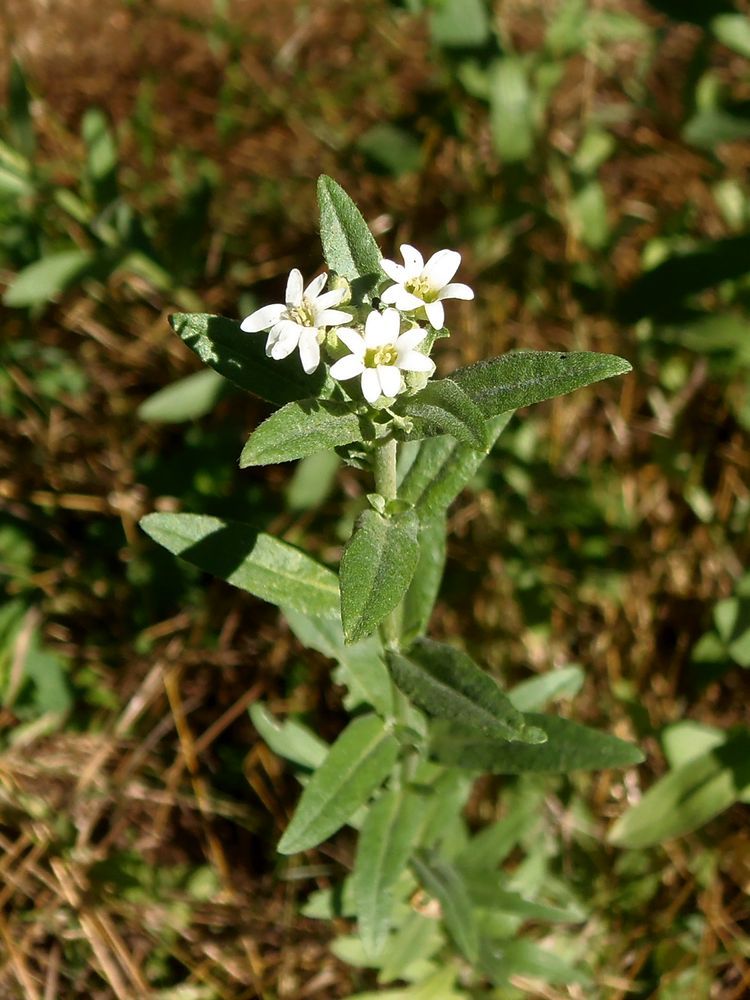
392	324
404	300
352	339
333	317
413	361
285	338
441	267
396	272
391	293
376	330
370	385
456	291
410	339
316	286
262	319
390	379
294	288
347	367
309	352
435	314
413	260
328	299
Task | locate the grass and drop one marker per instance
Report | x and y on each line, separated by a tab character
138	810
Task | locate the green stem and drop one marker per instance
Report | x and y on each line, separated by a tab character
384	468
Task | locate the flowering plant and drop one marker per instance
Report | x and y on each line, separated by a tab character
349	369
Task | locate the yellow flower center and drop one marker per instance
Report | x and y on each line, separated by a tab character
385	355
420	287
304	314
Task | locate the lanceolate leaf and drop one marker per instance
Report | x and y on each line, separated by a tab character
252	561
187	399
447	684
442	407
241	357
357	763
45	278
442	881
301	429
385	845
348	244
514	380
376	568
443	467
289	739
361	664
569	747
419	599
689	796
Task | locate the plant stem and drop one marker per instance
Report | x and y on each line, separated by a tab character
384	468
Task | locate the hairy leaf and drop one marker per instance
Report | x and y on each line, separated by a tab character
301	429
348	245
443	467
689	796
444	883
447	684
520	379
569	747
376	568
357	763
442	407
385	844
289	739
420	598
253	561
241	357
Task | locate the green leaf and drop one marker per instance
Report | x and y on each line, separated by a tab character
569	747
101	162
491	846
19	105
502	960
392	149
312	482
712	126
733	30
253	561
689	796
687	740
536	693
520	379
439	985
44	279
662	290
485	891
443	467
417	939
460	24
376	568
442	407
289	739
241	358
420	598
364	671
447	684
357	763
188	399
301	429
511	113
348	245
385	845
444	883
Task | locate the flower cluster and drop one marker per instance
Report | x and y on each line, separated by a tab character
383	345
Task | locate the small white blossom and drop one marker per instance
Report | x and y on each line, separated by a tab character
300	321
424	286
381	355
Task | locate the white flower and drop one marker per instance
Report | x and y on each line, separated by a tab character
381	355
424	286
300	321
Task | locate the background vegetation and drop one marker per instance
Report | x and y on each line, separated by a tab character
589	158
